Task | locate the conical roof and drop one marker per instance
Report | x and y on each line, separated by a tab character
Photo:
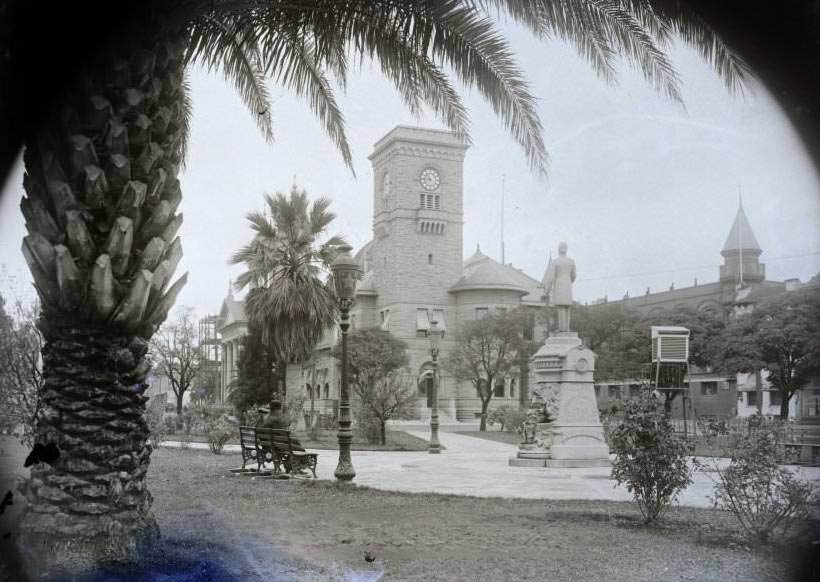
741	235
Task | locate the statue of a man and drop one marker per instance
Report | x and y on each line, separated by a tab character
558	284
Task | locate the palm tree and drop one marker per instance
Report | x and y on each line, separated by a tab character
103	152
291	298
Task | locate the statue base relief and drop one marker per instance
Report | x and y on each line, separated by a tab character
536	452
562	376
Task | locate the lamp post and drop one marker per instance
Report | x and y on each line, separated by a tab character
435	336
346	272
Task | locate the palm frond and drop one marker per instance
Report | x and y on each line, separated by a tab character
230	45
689	26
290	58
187	115
471	45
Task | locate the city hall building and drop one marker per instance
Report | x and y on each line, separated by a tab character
414	272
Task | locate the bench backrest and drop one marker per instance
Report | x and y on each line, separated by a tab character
247	437
274	438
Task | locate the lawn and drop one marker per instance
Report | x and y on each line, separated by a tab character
316	530
328	440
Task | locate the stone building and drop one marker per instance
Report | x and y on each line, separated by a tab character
741	269
414	273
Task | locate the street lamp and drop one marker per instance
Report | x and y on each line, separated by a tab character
346	272
435	335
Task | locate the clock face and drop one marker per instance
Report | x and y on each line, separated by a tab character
386	184
429	179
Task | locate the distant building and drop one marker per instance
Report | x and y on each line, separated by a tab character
741	284
741	270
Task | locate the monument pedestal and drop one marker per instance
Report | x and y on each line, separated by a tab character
562	376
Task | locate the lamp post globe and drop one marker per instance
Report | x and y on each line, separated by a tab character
435	334
346	273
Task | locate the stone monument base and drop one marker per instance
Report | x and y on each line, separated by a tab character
534	454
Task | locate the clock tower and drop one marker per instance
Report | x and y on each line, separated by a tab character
417	223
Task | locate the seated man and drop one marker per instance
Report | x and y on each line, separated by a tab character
275	419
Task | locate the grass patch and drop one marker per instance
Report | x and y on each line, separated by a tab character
330	527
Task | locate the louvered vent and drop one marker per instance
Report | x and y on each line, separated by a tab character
670	344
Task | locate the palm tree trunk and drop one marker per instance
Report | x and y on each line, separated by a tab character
101	194
784	406
92	504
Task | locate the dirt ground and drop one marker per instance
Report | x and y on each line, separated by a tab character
323	531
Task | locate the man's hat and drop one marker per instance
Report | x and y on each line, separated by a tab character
263	411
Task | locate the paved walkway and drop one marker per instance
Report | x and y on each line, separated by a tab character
479	467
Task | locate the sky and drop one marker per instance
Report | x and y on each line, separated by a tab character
643	190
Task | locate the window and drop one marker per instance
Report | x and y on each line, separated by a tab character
429	201
614	392
512	388
634	390
751	398
422	322
708	388
430	259
775	398
327	390
498	391
597	391
385	313
481	312
438	317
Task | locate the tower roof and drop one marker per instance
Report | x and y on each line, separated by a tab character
741	235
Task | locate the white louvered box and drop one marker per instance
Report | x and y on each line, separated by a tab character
670	344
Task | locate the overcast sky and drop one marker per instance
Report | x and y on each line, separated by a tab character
643	191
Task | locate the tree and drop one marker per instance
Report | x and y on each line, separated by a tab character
176	354
105	134
376	365
622	341
20	368
619	339
486	350
290	302
781	335
258	373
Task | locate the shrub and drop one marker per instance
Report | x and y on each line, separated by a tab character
507	417
367	426
650	459
219	432
766	499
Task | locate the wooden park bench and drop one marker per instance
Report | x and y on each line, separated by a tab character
247	442
275	445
